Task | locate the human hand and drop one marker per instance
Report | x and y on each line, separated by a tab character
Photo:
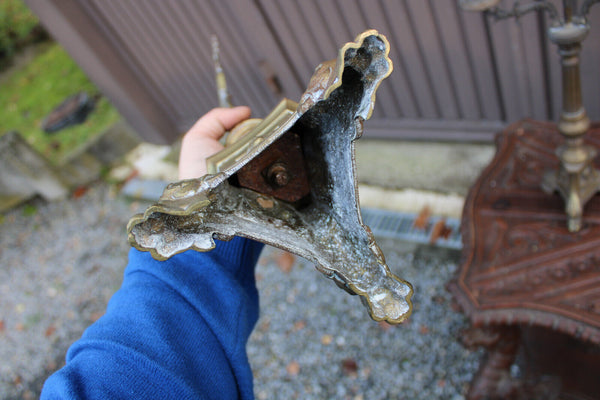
202	140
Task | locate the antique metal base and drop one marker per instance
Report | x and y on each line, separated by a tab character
290	182
521	265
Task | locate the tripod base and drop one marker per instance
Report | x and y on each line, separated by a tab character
576	182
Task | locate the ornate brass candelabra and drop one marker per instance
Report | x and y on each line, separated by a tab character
576	179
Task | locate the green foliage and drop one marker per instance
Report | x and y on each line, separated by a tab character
29	210
18	27
31	92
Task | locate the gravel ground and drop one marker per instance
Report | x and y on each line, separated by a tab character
61	262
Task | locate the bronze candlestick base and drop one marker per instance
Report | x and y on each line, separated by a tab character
289	182
576	180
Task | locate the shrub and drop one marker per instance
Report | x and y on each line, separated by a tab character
18	27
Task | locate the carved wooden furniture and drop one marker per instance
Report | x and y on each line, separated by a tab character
530	288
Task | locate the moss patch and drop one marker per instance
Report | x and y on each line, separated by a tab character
31	92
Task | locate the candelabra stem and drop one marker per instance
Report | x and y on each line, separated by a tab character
576	179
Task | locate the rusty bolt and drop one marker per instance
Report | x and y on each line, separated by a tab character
278	175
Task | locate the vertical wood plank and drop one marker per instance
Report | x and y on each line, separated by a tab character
479	55
590	66
461	75
427	37
422	93
320	37
443	58
243	69
158	56
148	65
291	43
512	78
169	48
531	58
262	40
333	21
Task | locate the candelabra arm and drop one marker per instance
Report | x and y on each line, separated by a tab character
520	9
585	7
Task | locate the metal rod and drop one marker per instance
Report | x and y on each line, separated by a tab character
222	93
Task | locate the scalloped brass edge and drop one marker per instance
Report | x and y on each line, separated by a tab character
408	299
235	156
340	64
143	217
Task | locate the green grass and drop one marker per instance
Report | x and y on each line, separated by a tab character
18	27
31	92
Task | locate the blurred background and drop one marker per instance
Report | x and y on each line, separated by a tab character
95	94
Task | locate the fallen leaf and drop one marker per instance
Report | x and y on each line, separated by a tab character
285	261
439	299
20	327
28	395
264	325
441	383
293	368
299	325
350	367
423	218
17	380
95	316
134	206
134	173
79	191
423	330
326	340
365	372
2	326
51	366
386	326
50	330
440	230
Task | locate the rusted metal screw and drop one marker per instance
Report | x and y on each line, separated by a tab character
278	175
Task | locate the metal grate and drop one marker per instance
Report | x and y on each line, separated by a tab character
398	225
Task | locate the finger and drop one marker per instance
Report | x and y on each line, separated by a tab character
219	120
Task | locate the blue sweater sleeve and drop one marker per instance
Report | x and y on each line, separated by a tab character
176	329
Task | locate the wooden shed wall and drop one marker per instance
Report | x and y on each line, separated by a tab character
457	75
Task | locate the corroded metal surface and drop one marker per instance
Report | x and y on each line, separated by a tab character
327	228
279	172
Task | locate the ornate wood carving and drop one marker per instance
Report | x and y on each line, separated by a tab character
520	263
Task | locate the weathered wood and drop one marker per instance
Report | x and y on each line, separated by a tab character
153	58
